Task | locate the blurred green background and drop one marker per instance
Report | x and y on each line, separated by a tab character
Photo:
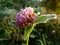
11	34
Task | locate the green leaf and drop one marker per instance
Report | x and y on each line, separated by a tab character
46	17
41	19
28	30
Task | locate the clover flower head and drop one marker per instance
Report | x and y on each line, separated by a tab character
25	17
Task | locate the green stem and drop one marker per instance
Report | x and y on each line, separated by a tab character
27	42
44	39
31	29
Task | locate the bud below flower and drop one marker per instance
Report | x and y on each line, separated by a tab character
25	17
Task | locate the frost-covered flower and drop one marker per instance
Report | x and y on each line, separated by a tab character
25	17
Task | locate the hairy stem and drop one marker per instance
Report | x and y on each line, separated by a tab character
31	29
